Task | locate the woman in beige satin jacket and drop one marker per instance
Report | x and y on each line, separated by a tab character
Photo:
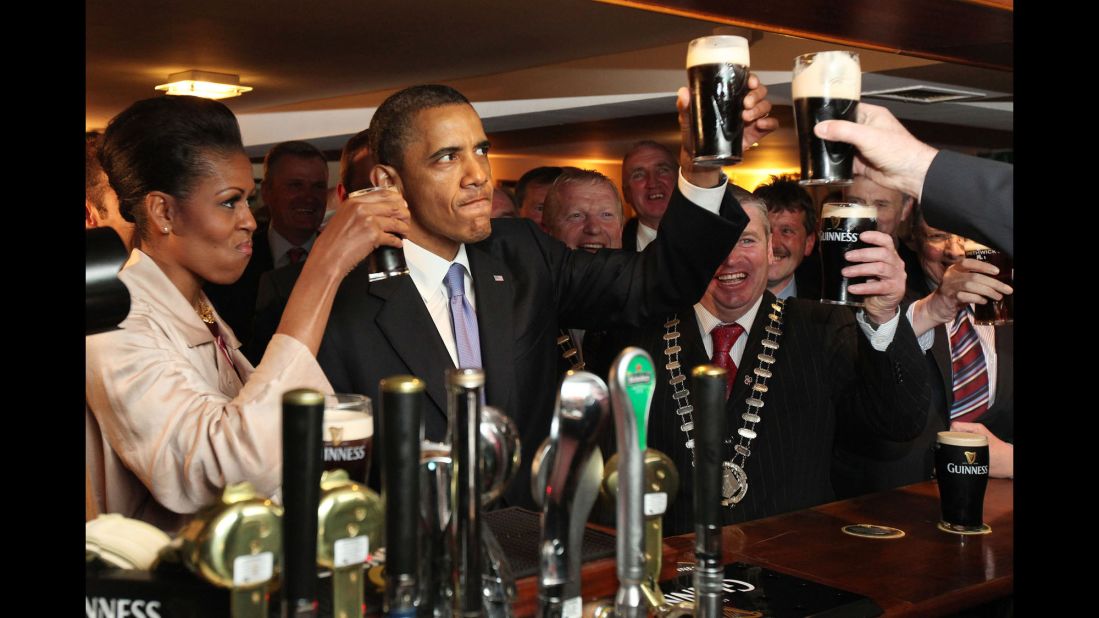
174	411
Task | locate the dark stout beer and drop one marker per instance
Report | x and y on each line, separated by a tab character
348	434
841	225
826	86
994	311
717	72
961	467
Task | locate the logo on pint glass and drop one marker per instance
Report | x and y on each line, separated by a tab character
337	437
970	457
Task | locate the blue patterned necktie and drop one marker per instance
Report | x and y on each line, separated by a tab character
463	321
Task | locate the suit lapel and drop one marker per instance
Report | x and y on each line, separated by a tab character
1005	361
694	352
406	324
492	284
940	351
748	360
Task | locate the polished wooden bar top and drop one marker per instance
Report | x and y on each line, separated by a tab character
928	572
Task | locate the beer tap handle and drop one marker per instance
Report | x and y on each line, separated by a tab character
400	433
632	381
465	391
708	384
302	421
572	483
350	522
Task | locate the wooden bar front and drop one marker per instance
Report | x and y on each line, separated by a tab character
926	573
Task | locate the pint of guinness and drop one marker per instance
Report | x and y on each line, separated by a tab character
826	86
961	467
994	311
841	223
717	72
348	435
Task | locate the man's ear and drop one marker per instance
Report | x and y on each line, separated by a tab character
809	242
906	207
385	176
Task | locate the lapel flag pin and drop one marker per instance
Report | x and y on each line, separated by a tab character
497	277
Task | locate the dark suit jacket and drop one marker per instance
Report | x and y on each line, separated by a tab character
629	234
825	369
971	196
865	464
527	285
236	302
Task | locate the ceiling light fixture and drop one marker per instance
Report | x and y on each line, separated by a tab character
204	84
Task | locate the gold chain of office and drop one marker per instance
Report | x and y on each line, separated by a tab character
734	480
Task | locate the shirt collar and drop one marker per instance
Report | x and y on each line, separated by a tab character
645	235
279	244
789	291
707	321
429	270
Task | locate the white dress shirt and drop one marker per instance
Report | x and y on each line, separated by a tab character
428	272
645	235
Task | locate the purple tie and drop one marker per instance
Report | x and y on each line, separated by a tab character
462	319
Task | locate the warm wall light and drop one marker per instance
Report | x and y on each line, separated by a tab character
204	84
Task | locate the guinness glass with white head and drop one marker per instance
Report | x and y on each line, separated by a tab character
841	223
961	467
348	434
717	72
826	86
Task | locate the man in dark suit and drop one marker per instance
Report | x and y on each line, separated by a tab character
294	189
793	217
508	280
582	210
824	370
866	464
959	193
648	175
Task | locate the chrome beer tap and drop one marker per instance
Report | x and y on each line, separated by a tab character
582	411
632	383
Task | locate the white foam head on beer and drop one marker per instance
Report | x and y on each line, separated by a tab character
356	425
962	438
832	74
721	49
849	210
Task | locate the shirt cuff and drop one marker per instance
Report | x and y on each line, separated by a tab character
881	338
925	340
710	199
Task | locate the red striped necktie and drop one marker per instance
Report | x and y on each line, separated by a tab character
970	374
296	254
725	335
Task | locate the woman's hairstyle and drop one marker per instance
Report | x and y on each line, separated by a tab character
164	144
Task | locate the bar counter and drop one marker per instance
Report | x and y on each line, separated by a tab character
926	573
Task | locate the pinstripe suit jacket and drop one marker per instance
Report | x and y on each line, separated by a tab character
825	367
